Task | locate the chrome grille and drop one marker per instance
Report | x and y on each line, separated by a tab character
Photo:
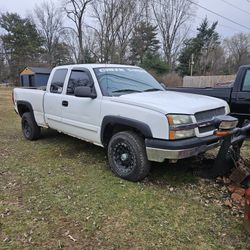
208	116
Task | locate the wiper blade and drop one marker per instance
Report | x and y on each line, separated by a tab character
153	89
125	90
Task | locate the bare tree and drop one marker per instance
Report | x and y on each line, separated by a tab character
75	10
172	18
106	29
49	22
70	37
115	21
91	44
238	50
128	18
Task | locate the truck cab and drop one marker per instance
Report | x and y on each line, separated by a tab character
240	95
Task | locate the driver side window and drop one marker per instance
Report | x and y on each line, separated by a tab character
78	78
57	82
246	84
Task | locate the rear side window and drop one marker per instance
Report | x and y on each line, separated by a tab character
78	78
246	84
58	81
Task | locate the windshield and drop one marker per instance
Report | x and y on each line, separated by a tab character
124	80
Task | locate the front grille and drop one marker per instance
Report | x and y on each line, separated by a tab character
208	116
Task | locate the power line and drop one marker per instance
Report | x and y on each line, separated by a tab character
217	14
235	6
222	25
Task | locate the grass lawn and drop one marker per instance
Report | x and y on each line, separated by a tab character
58	193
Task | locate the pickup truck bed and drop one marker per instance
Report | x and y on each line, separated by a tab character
33	97
219	92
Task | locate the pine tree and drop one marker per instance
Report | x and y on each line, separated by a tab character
143	42
201	46
21	41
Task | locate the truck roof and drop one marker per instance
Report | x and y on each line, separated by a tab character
245	66
97	65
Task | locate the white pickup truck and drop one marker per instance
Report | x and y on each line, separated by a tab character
125	110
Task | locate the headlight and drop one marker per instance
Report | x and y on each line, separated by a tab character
179	119
180	127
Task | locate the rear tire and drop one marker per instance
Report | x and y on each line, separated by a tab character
127	156
30	129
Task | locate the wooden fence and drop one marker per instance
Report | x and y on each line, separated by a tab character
206	81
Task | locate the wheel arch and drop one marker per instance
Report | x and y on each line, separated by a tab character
113	124
23	107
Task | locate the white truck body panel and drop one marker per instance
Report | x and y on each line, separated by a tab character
170	102
82	118
53	111
35	97
156	120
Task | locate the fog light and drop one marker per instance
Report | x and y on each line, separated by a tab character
181	134
228	125
225	125
225	122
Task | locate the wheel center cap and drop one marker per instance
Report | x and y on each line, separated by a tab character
124	157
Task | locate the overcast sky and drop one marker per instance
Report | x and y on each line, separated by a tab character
225	28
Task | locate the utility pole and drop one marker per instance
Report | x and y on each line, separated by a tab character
192	64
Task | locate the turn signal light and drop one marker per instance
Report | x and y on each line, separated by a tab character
222	133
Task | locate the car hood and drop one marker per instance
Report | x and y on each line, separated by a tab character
171	102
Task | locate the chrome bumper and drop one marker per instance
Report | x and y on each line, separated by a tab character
160	155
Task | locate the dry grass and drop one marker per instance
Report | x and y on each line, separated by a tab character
171	80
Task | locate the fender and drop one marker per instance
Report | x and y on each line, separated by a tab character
26	107
119	120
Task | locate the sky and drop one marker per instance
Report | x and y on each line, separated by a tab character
236	13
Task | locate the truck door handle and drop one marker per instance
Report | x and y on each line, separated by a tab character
65	103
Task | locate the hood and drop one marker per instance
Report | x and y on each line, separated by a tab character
168	102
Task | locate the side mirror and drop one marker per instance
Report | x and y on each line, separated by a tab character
85	92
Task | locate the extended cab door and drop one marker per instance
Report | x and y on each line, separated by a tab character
241	99
81	116
53	102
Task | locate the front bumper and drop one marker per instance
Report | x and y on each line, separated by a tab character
160	150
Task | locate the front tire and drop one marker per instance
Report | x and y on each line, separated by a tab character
127	156
30	129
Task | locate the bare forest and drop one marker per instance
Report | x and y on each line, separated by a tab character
153	34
